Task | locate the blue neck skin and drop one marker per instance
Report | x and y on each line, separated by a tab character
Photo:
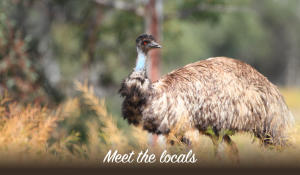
141	61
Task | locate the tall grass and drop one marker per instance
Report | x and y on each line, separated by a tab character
35	134
81	131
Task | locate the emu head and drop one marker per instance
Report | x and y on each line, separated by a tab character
146	42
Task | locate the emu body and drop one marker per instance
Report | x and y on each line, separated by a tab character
218	93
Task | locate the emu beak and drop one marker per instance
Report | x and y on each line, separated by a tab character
154	44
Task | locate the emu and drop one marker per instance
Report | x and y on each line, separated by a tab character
212	96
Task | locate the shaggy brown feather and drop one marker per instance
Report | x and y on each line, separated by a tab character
222	93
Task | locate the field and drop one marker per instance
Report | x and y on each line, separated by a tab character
81	131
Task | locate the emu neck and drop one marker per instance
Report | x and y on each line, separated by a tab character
141	60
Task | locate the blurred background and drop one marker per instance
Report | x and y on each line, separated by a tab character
47	45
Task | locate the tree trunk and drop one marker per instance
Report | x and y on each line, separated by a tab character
153	20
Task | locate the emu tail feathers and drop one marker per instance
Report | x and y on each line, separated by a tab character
277	132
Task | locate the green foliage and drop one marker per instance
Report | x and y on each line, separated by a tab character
196	10
18	73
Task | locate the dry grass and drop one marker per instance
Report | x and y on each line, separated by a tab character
34	134
25	131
